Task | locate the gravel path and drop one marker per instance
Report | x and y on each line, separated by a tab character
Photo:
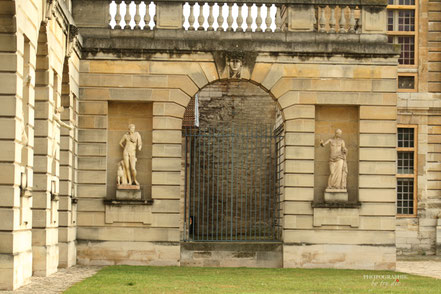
58	282
64	278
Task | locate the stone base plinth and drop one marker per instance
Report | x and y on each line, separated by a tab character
128	192
336	195
340	256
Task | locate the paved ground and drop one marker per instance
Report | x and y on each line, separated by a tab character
58	282
429	266
64	278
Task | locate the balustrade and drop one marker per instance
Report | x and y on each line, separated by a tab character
340	19
234	17
124	14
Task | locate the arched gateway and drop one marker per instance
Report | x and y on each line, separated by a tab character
220	115
233	132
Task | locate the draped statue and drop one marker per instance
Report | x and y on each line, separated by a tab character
337	162
127	167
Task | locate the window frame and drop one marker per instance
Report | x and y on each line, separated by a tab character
408	74
415	34
413	176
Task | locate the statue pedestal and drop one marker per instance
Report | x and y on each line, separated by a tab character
336	195
128	192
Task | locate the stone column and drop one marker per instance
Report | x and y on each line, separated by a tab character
15	155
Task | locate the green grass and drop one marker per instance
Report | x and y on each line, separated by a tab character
141	279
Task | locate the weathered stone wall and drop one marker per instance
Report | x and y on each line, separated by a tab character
33	50
298	86
417	235
369	85
433	44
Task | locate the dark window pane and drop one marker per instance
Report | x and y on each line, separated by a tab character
406	137
404	2
405	198
405	163
406	20
406	82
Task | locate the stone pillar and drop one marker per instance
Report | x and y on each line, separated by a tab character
15	152
373	20
46	168
300	18
166	170
68	168
169	15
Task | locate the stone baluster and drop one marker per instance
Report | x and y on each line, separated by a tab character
220	17
127	16
191	18
259	18
147	16
249	19
278	19
332	21
239	17
230	17
118	16
359	22
155	19
342	27
201	17
322	20
268	20
351	20
210	17
137	16
109	16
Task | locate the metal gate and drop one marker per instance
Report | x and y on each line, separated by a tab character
232	176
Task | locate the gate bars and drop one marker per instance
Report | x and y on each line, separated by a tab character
232	179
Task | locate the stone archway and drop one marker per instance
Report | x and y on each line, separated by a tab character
232	184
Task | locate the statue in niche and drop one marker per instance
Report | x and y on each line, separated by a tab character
337	162
235	65
130	142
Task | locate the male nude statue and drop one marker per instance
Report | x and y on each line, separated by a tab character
129	142
337	162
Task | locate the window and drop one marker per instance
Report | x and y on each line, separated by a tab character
406	170
402	29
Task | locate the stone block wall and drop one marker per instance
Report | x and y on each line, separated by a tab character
300	87
33	50
309	242
417	235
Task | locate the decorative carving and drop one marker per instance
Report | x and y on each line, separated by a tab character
50	9
130	142
235	62
235	68
337	163
72	41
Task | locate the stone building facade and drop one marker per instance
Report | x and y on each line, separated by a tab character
325	65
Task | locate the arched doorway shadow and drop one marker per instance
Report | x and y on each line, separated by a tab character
233	148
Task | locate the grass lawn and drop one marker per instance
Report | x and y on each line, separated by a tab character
143	279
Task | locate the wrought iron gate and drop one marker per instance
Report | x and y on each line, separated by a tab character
232	181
